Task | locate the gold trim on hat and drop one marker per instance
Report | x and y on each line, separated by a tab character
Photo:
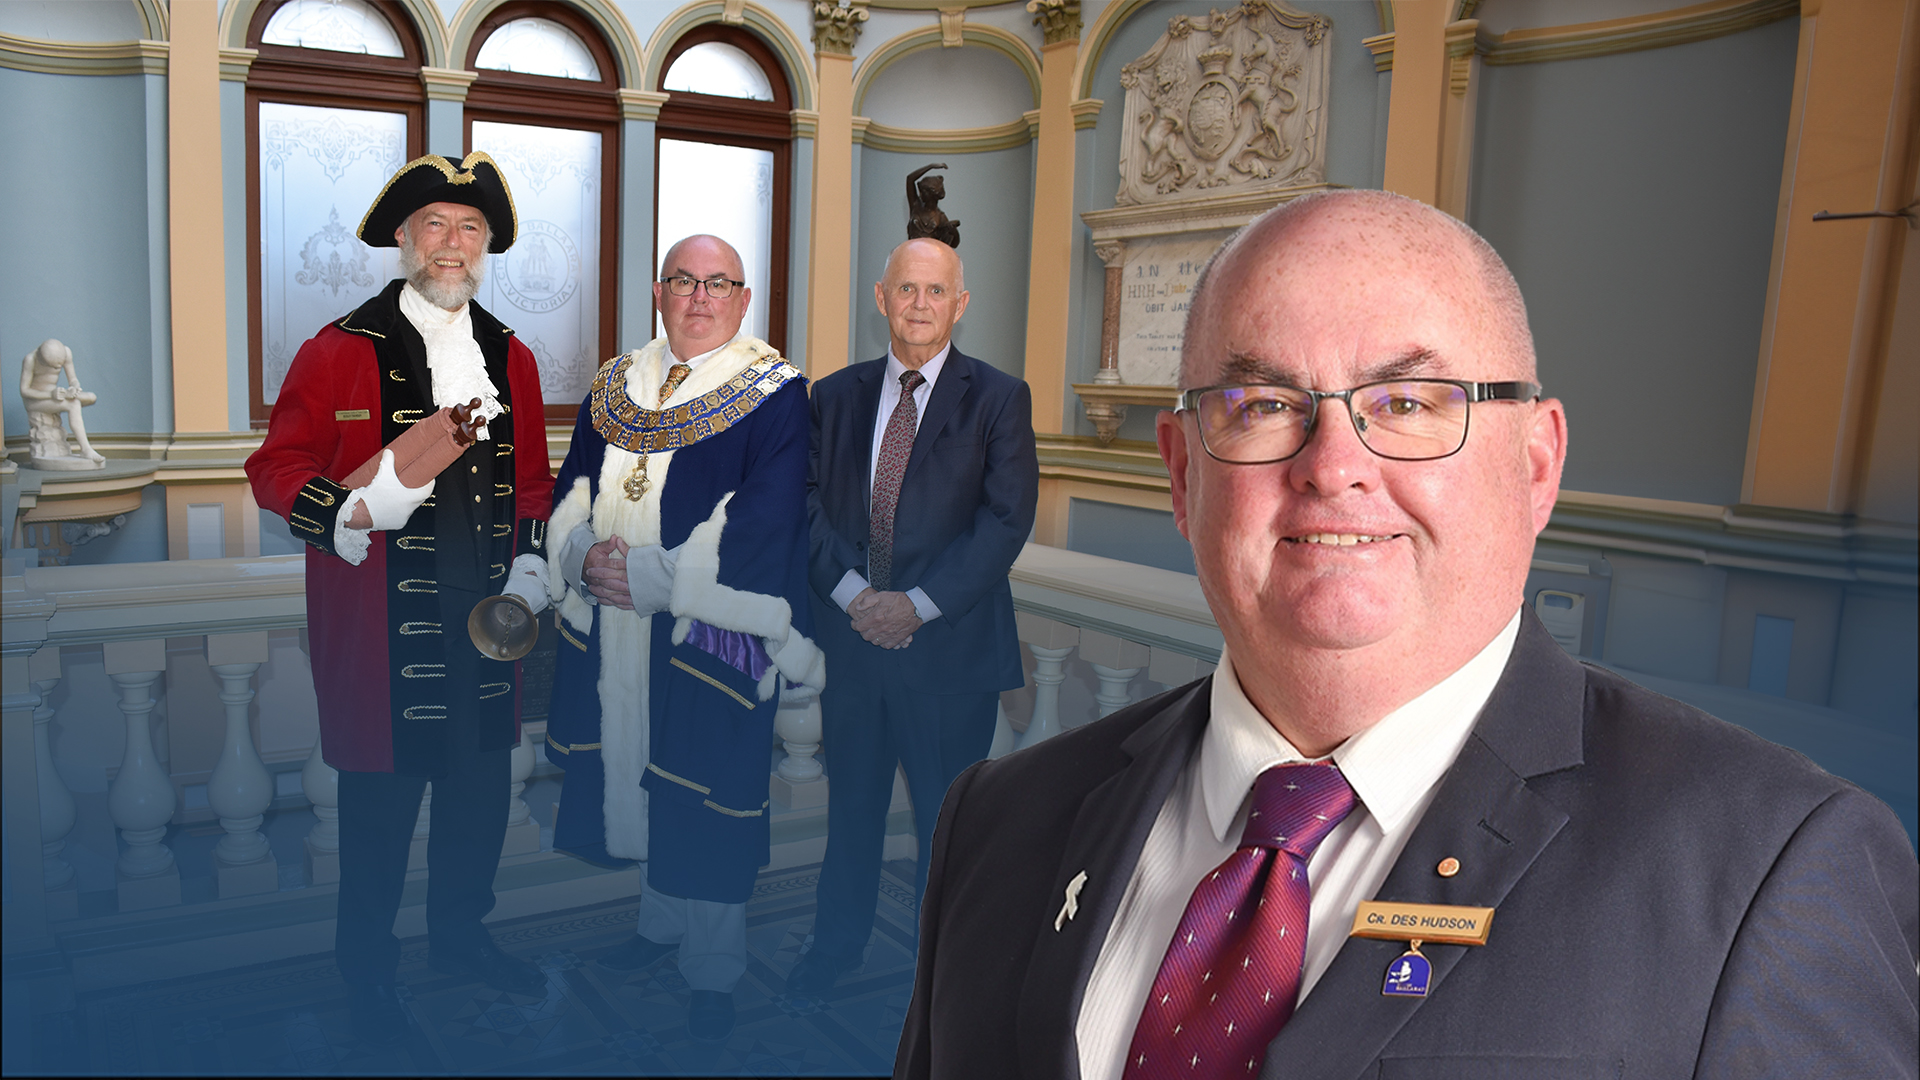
455	174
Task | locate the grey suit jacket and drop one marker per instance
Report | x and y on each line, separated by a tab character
1674	897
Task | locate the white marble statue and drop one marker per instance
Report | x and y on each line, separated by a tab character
47	401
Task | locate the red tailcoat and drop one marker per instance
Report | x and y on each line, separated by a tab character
394	671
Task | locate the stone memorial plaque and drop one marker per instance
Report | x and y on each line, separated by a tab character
1155	286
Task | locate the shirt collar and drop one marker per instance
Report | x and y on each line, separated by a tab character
929	371
1391	765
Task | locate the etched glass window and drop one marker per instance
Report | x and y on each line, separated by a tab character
351	26
715	67
320	168
547	286
726	191
538	47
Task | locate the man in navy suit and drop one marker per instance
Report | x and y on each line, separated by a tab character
1672	896
921	493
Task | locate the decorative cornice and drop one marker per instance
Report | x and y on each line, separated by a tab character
1086	113
142	57
1189	215
806	123
1381	46
235	63
641	105
1699	22
1059	20
876	136
447	84
1032	117
1461	45
734	12
953	23
836	28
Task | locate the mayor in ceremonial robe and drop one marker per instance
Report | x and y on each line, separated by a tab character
404	696
679	565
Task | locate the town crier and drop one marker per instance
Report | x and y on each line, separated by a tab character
396	563
680	558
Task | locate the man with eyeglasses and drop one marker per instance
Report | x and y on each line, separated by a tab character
680	526
1398	831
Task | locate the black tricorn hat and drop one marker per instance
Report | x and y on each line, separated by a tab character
475	182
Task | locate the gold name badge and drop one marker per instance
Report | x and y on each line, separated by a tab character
353	414
1440	924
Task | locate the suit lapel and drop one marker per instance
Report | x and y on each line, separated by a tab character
1104	841
1484	815
955	377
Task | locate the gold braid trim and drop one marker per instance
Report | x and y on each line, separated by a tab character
649	431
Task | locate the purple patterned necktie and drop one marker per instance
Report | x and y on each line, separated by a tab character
888	470
1232	972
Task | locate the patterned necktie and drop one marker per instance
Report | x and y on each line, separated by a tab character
636	483
888	470
1232	972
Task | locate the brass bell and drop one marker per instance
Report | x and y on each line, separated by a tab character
503	627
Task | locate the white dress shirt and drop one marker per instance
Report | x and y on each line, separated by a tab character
853	583
1394	768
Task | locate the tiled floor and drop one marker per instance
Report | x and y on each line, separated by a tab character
290	1017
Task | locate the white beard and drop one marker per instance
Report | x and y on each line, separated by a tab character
449	296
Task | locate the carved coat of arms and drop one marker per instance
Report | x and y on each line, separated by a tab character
1236	100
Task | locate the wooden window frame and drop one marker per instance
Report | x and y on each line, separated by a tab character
286	74
727	121
511	97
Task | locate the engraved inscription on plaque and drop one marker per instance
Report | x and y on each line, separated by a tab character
1155	288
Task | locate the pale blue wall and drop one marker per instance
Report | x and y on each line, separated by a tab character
917	91
233	218
1634	198
991	193
83	209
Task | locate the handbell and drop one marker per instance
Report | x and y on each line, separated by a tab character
503	627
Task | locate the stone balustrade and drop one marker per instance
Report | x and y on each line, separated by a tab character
131	689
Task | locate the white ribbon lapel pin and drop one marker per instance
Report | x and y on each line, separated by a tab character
1072	907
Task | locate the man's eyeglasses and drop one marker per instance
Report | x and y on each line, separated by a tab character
1401	419
718	288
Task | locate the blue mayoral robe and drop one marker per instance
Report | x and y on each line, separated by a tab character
663	723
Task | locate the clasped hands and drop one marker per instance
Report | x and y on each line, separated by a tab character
645	587
886	619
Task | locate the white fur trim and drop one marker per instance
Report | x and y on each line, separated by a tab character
573	510
625	643
697	594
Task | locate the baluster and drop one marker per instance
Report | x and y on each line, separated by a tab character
1115	662
141	799
523	833
240	789
321	783
1004	740
57	811
1052	642
799	780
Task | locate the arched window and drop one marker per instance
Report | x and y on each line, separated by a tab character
546	108
723	161
334	107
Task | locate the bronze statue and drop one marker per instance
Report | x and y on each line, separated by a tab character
923	208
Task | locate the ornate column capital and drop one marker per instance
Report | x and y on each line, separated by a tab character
836	27
447	84
1058	19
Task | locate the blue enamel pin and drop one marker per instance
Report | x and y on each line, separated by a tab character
1408	976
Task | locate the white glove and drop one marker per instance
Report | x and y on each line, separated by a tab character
650	577
527	579
390	503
